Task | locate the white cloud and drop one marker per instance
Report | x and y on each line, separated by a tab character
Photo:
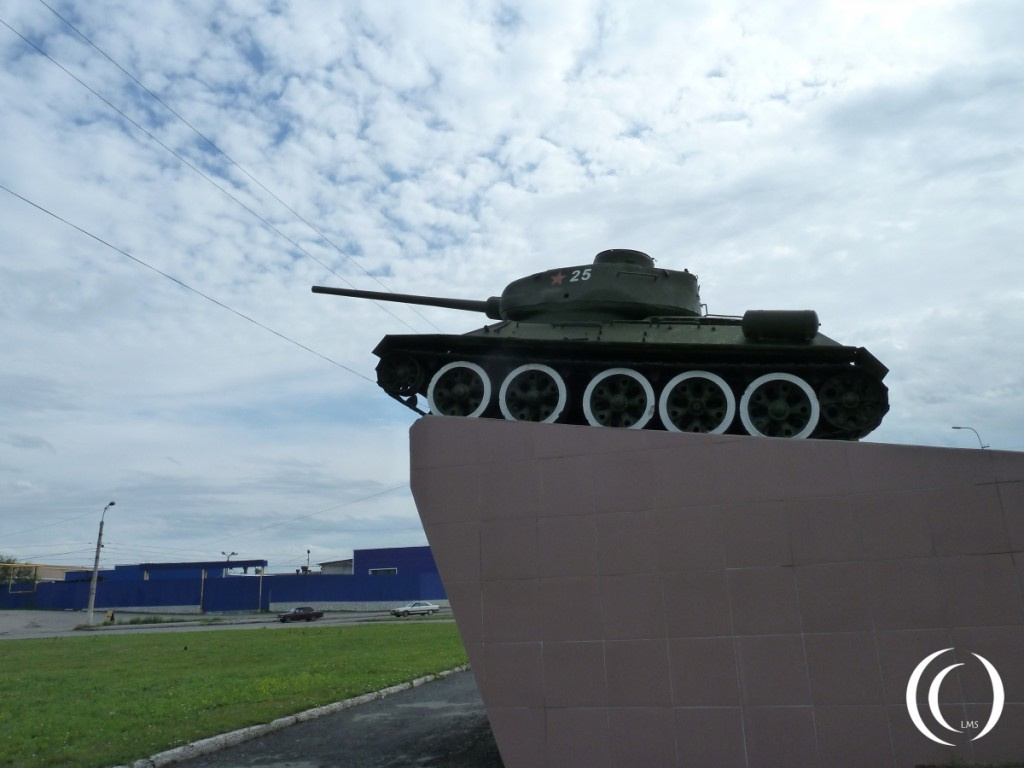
861	159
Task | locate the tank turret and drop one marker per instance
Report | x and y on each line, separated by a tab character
616	342
619	285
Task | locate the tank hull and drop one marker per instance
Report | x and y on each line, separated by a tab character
623	343
696	374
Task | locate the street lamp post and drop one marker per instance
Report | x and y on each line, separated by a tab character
975	434
96	564
228	555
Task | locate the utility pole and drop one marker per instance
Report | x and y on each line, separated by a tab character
96	564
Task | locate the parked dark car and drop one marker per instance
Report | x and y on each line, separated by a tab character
420	606
302	613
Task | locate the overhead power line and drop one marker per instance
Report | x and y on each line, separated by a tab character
185	285
235	535
50	525
209	142
50	555
181	158
289	520
121	546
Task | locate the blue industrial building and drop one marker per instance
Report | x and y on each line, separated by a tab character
394	561
380	578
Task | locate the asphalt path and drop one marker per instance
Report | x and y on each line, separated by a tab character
440	724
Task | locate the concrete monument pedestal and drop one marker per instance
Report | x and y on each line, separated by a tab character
645	598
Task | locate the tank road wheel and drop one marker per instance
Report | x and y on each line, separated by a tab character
459	389
697	401
532	393
779	405
619	397
853	402
399	374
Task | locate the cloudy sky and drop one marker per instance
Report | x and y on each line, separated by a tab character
176	175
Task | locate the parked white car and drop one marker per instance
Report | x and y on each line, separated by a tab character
420	606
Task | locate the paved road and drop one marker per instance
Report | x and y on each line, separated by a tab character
28	624
441	724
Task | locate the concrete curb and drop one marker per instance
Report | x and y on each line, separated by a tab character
215	743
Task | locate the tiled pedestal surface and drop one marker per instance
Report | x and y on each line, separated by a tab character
635	598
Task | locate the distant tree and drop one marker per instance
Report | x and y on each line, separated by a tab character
14	571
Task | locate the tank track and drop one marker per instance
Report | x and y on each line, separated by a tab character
826	392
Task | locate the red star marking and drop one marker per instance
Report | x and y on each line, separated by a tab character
557	279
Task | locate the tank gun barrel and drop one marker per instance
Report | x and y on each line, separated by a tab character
491	307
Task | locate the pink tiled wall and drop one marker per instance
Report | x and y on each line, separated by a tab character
637	598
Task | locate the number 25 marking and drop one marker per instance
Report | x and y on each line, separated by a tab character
579	275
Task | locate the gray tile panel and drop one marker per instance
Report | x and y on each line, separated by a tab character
648	598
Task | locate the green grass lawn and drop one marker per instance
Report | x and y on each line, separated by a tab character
103	700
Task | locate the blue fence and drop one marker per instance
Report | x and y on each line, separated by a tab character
234	593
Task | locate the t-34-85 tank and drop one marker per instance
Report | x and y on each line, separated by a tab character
622	343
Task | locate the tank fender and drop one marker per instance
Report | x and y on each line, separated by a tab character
780	324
